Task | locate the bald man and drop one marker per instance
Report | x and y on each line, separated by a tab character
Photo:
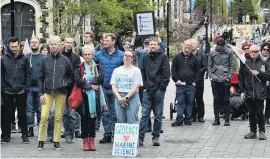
252	86
185	73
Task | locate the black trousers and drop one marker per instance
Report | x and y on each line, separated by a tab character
221	94
267	108
198	106
255	109
88	124
7	113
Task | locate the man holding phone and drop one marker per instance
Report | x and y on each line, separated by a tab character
185	73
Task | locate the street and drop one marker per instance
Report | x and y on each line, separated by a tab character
201	140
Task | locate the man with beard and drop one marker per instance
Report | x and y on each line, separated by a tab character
15	82
33	102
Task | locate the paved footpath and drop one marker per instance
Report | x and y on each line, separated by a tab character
196	141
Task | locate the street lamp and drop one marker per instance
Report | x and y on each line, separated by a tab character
168	2
211	18
206	22
12	18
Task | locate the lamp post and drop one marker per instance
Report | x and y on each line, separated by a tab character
12	18
190	19
206	22
168	24
211	22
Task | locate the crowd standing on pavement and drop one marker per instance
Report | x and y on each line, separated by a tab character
114	81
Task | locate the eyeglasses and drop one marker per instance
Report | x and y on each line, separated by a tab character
254	52
265	49
246	48
128	56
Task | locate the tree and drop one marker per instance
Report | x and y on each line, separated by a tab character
265	3
108	15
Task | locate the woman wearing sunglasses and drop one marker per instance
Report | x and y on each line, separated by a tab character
265	56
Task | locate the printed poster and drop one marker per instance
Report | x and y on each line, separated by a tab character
144	23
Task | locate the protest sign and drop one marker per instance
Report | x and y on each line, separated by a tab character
241	31
144	23
125	139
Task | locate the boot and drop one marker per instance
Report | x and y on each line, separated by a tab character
227	122
91	144
178	122
85	144
217	121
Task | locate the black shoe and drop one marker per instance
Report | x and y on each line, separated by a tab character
63	136
57	146
216	122
140	142
161	131
194	119
226	123
5	140
201	120
78	134
148	128
40	145
187	121
178	122
30	132
155	141
106	139
25	139
13	128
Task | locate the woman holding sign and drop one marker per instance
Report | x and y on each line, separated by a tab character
125	82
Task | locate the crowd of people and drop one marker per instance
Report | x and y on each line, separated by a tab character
114	83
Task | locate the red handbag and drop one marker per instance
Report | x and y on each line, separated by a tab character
75	99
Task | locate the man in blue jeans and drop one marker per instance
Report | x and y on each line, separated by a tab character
185	73
110	58
33	102
156	77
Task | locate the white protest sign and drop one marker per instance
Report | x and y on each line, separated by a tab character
144	23
125	139
241	31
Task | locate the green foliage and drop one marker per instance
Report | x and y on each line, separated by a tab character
265	3
108	15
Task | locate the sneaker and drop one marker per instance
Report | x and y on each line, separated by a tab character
106	139
226	123
250	135
194	120
155	141
161	131
216	122
40	145
201	120
69	140
140	142
187	122
30	132
57	146
262	136
5	140
25	139
178	122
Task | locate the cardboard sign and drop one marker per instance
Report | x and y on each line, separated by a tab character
125	139
241	31
144	23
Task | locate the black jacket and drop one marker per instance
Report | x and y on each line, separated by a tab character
15	73
185	68
155	71
249	84
55	74
202	61
75	63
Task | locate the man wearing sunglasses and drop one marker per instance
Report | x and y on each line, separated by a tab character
252	86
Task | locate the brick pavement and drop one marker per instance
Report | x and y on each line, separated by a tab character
196	141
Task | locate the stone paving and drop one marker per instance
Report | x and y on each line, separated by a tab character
201	140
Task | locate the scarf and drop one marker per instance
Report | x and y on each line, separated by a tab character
91	94
265	58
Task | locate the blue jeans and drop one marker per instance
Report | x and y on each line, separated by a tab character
33	106
185	95
157	101
109	116
69	121
128	115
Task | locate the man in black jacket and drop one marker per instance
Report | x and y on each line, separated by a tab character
56	74
156	77
252	86
15	82
198	106
185	73
70	115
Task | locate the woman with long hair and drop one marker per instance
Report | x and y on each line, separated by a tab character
125	82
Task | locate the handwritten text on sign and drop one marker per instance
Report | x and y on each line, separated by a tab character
241	31
145	23
125	139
